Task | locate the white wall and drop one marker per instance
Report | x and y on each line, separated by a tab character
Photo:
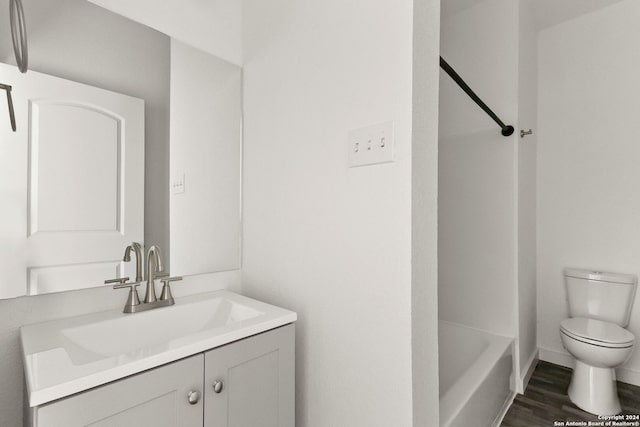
330	242
477	169
424	221
526	194
206	147
588	151
214	26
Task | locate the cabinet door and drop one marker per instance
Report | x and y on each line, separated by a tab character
157	398
257	374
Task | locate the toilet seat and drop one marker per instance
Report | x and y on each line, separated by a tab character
597	332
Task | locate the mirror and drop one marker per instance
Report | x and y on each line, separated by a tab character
123	134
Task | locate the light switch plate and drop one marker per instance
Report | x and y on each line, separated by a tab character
371	145
177	184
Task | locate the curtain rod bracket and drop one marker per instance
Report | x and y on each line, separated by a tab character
507	130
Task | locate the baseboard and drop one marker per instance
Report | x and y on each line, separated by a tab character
530	367
518	381
561	358
629	376
625	375
504	409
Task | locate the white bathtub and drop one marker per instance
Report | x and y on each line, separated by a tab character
475	370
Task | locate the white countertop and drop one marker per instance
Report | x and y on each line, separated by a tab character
67	356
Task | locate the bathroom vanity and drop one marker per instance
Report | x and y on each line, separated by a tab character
103	156
218	359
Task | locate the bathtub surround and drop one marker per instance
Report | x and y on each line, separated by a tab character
336	242
477	170
486	181
588	174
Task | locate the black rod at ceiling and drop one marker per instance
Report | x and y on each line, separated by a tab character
507	130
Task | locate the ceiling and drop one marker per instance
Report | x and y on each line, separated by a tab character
545	13
211	25
37	17
551	12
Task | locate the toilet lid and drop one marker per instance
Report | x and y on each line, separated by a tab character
597	332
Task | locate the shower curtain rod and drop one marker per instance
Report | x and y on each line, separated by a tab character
506	130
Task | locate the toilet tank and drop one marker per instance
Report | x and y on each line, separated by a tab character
600	295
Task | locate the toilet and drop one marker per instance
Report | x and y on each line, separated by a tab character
599	309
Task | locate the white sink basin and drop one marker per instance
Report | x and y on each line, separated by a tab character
71	355
148	331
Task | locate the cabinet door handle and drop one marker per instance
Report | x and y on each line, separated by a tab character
218	386
193	397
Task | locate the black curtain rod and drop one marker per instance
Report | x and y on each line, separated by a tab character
506	130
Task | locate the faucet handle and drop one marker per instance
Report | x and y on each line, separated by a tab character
119	280
132	300
170	279
166	288
131	285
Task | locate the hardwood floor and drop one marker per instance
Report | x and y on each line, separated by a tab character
545	400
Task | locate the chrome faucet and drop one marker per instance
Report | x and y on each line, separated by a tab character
154	269
154	265
135	246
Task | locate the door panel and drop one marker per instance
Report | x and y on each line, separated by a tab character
158	412
42	280
155	398
74	157
258	378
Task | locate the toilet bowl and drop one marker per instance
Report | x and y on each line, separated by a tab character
598	347
595	335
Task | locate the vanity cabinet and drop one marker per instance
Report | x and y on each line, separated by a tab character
246	383
155	398
250	383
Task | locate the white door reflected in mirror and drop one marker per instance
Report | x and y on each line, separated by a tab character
72	180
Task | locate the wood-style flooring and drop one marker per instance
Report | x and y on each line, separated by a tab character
545	400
